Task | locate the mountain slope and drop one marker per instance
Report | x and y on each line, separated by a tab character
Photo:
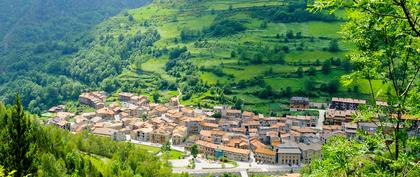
38	39
253	54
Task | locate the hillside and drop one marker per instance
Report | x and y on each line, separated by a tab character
252	53
38	39
236	51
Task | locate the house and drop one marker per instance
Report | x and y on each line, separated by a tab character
350	129
193	124
233	114
268	121
139	100
237	142
217	136
142	134
299	103
220	110
56	109
256	144
223	151
265	155
179	134
114	134
89	115
208	126
346	103
338	117
106	113
160	135
301	121
310	151
93	99
246	115
125	97
235	153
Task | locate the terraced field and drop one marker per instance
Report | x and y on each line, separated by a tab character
282	53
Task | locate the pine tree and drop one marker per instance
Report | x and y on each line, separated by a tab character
17	146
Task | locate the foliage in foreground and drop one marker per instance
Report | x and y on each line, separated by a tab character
387	36
26	148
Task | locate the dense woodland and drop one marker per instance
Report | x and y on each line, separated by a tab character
38	42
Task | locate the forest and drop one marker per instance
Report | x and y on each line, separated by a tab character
39	40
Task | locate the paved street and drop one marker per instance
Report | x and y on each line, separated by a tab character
204	166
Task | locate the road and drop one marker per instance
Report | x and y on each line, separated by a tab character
234	170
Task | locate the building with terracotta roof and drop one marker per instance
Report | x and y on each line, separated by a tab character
179	134
114	134
246	115
125	97
301	121
208	126
193	124
93	99
238	142
160	136
337	117
233	114
105	113
265	155
225	151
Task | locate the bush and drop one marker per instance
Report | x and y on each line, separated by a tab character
224	28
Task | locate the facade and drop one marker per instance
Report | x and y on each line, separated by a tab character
160	136
310	151
93	99
288	154
265	155
193	124
346	103
301	121
338	117
228	152
233	114
105	113
299	103
179	134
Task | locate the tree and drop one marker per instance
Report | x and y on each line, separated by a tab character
310	84
333	46
386	35
333	86
326	67
130	18
289	34
299	72
17	148
166	147
194	150
263	25
156	97
312	71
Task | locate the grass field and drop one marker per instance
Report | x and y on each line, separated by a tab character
311	45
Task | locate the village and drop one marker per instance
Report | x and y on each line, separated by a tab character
220	132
